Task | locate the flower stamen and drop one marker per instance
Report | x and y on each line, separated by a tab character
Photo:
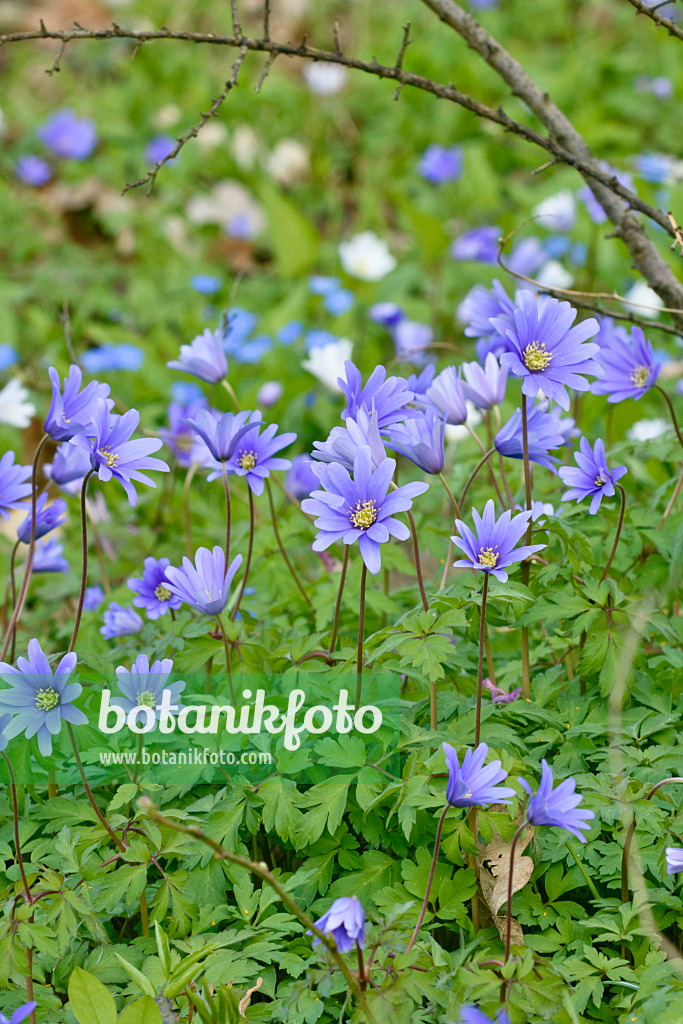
488	557
536	357
363	515
111	459
247	460
162	594
146	699
639	376
47	699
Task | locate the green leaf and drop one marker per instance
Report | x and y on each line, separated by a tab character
142	1011
143	983
294	238
90	1001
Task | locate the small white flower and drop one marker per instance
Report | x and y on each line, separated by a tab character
558	212
288	162
326	362
227	201
15	410
647	430
643	301
212	135
325	79
167	116
553	275
366	256
245	146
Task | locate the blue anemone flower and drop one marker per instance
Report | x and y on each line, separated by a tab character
390	397
345	922
204	357
14	484
473	784
205	586
421	440
630	366
591	477
72	413
120	621
143	684
151	589
493	548
545	432
559	807
48	518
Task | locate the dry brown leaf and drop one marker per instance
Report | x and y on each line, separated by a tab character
493	866
245	1000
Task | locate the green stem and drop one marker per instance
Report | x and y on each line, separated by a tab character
221	627
671	411
250	548
526	567
423	911
186	508
84	571
342	580
228	513
17	841
589	881
232	394
480	666
361	629
618	534
88	792
281	547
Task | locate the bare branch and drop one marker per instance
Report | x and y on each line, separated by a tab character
337	43
266	20
678	233
572	150
659	19
265	72
60	54
150	178
236	26
401	54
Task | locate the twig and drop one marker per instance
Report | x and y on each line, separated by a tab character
405	43
265	72
236	27
660	21
266	20
60	54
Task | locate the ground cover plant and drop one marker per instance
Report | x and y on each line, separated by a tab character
342	530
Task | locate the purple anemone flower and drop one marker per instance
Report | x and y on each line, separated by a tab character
388	314
390	397
343	443
473	784
630	367
674	860
33	170
345	922
441	165
447	394
500	696
159	148
152	589
69	136
359	508
479	244
420	383
143	685
411	341
48	518
205	586
120	621
546	351
421	440
93	598
114	454
485	387
14	484
301	479
40	699
204	357
19	1015
72	413
545	432
472	1014
478	309
559	807
254	456
591	476
67	469
493	548
103	358
48	556
181	439
221	434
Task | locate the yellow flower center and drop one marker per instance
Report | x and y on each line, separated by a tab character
112	460
147	699
599	482
162	594
363	516
536	357
47	699
247	460
640	375
488	557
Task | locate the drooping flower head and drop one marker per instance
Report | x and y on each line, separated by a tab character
186	445
478	244
420	440
40	699
120	621
359	508
343	442
152	589
389	397
591	477
204	357
205	586
559	807
221	434
674	860
14	484
545	432
477	311
447	395
493	547
500	696
114	454
69	136
143	684
420	383
19	1015
473	784
345	922
301	479
68	467
48	518
545	350
72	413
485	387
630	367
254	456
48	556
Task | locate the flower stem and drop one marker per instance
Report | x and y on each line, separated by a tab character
28	567
508	925
281	547
337	609
526	567
88	792
423	911
250	548
362	977
672	500
629	838
671	410
17	841
228	513
232	394
480	666
227	656
485	457
589	881
618	534
361	629
457	506
489	467
186	508
418	567
451	496
84	572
